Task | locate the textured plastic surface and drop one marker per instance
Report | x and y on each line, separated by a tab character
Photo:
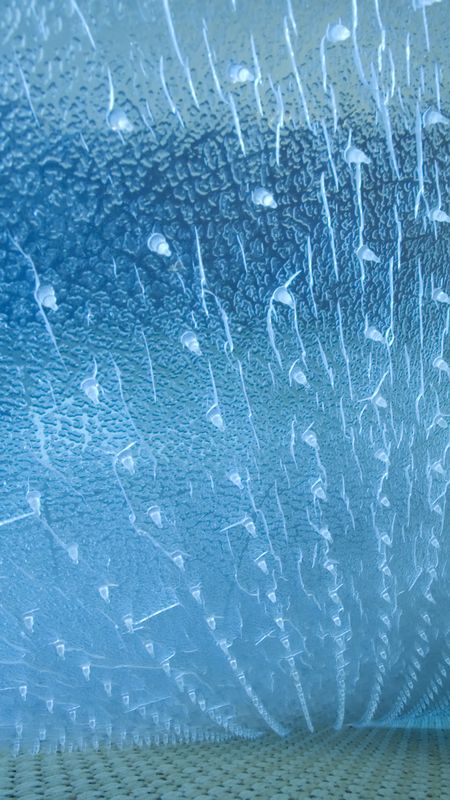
224	369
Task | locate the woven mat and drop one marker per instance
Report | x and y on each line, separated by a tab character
354	764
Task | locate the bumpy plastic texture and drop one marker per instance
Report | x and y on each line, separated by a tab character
225	365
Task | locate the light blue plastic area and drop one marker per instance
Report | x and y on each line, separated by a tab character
224	361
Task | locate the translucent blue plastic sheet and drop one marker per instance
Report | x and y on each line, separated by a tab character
224	360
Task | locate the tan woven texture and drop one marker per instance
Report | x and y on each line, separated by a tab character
353	764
